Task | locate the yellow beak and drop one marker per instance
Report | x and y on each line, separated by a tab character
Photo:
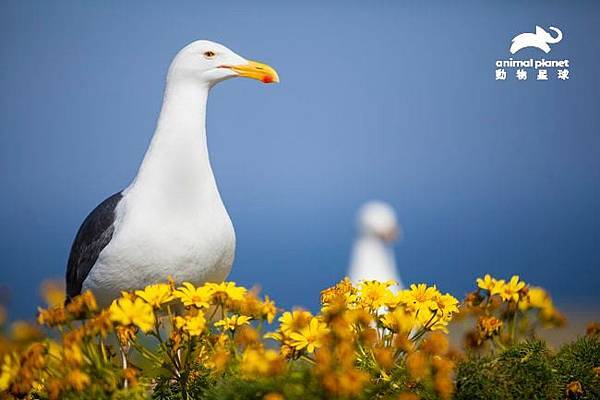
255	70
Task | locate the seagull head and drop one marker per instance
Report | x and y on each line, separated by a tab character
378	219
209	62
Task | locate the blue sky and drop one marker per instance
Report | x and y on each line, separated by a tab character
388	100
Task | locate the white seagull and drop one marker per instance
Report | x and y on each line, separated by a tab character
373	255
170	220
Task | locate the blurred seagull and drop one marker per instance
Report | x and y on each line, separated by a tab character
373	255
170	220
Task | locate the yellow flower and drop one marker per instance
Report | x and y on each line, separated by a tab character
421	297
416	363
347	383
22	331
488	326
52	316
53	293
402	298
427	318
258	362
447	304
510	290
233	322
219	360
100	324
80	305
125	334
574	390
192	296
408	396
294	321
443	383
194	325
273	335
131	376
268	309
72	354
54	349
156	295
342	292
137	312
250	305
440	324
435	344
8	372
309	337
247	336
399	321
487	283
78	379
375	294
498	286
221	292
537	297
437	316
273	396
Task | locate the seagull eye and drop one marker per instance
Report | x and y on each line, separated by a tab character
209	54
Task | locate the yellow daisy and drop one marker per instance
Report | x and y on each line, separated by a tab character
268	309
487	283
221	292
136	312
375	294
156	295
309	337
192	296
447	304
399	321
10	369
510	291
233	322
421	297
294	321
194	325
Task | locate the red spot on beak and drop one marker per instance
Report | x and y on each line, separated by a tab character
267	79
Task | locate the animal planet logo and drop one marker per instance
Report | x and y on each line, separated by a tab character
541	39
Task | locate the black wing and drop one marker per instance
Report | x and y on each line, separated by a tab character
93	235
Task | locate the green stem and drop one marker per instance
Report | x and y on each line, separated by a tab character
308	359
165	348
147	353
513	332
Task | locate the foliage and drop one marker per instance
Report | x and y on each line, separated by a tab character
523	371
578	367
529	370
219	341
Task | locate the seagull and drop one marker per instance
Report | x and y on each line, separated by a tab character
170	221
372	255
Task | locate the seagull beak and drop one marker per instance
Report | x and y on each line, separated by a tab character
391	235
255	70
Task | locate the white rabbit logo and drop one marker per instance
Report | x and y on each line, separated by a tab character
540	39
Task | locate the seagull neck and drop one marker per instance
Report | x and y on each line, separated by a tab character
183	111
177	161
373	240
